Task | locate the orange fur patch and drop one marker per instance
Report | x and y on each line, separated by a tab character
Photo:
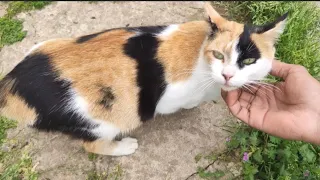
18	110
222	41
98	63
100	146
264	44
180	51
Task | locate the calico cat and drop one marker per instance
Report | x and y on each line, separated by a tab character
102	85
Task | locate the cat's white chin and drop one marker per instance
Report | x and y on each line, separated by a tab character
229	88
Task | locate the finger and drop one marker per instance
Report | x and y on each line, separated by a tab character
231	97
280	69
237	108
224	94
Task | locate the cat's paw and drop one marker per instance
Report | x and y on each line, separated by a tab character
126	146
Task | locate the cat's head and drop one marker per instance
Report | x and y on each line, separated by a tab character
240	53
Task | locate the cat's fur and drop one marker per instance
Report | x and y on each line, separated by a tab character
101	85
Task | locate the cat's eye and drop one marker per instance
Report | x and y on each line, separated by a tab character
249	61
218	55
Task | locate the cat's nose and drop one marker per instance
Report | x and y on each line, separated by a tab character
227	77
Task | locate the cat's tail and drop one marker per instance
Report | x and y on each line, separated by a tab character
11	105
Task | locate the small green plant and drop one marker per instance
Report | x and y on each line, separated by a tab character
92	156
10	31
22	169
116	174
269	157
204	174
14	167
5	124
16	7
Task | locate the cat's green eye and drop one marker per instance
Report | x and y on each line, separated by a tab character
218	55
249	61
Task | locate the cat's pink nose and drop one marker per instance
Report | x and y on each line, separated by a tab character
227	77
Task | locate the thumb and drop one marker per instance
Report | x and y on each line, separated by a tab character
280	69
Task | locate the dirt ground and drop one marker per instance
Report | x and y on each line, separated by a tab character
167	144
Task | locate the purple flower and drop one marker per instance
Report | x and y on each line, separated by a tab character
245	156
228	139
306	173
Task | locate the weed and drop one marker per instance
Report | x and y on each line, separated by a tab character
22	169
11	166
5	124
92	156
116	174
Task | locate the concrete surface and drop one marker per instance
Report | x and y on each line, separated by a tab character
167	145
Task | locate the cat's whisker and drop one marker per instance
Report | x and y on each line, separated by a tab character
247	88
210	83
206	82
263	85
248	47
258	90
269	85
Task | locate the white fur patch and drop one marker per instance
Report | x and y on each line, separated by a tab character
190	93
125	147
80	106
38	45
105	130
253	72
169	30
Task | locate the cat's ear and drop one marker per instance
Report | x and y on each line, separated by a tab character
214	17
274	29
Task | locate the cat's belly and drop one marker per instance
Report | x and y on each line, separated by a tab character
178	96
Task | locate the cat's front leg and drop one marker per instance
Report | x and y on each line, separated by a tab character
106	144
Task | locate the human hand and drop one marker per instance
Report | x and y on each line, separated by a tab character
289	109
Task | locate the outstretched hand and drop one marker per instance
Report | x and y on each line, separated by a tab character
288	109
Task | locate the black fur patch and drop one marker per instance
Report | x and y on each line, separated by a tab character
88	37
39	85
143	49
108	98
267	27
246	47
214	28
145	29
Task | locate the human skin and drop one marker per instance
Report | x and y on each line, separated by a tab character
289	109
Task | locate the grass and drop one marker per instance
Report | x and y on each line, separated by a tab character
11	29
15	163
115	174
264	156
